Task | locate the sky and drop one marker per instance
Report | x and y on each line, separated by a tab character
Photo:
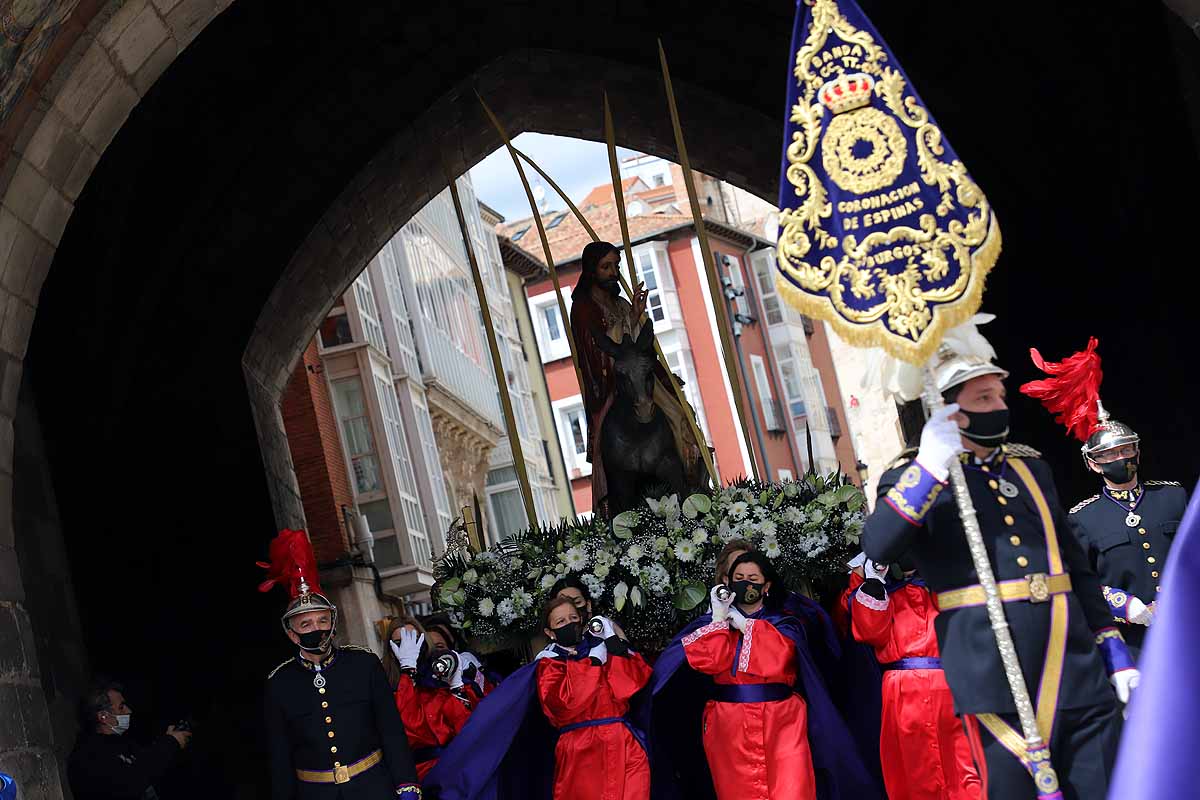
576	165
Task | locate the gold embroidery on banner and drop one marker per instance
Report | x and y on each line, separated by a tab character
883	157
864	151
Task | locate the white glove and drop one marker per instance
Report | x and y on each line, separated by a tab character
1138	612
720	608
408	649
737	619
1125	681
599	652
455	681
467	660
941	442
606	627
874	569
550	652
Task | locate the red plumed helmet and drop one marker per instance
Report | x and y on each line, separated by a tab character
1072	392
294	567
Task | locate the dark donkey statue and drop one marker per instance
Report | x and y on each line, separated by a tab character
636	442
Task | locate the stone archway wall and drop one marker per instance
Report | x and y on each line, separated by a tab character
87	65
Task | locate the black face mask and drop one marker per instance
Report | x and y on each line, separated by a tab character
568	635
316	641
746	593
1123	470
986	427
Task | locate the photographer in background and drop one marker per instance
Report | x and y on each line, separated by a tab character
108	764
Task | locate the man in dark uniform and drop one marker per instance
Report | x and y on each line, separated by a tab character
1061	627
332	723
1127	529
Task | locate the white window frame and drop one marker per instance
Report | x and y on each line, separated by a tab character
774	308
766	397
556	349
577	464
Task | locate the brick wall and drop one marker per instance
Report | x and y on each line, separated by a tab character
312	436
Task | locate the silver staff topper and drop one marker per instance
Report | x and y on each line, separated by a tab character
724	593
595	627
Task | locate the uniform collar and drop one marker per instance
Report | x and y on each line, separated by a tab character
994	459
325	662
1124	494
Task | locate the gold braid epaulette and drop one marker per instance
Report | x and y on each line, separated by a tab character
281	666
1162	483
1021	451
905	456
1083	503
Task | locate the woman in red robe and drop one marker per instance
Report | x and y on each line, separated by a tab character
584	692
756	726
433	711
924	750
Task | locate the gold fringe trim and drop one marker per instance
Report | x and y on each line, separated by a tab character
945	317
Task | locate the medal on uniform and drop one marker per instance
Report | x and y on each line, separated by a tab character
319	680
1133	520
1008	488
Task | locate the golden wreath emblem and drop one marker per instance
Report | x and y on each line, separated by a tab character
863	149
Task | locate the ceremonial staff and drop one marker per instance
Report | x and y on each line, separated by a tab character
885	235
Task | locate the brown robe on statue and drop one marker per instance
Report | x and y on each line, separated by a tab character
613	317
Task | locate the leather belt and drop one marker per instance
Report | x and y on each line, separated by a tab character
1036	588
341	774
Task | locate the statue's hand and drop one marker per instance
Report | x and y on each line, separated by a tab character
640	293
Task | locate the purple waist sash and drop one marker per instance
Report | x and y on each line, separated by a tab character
916	662
590	723
752	693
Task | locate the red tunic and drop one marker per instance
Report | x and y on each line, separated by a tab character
599	762
922	745
841	613
755	751
432	717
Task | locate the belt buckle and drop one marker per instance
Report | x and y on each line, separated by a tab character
1039	587
341	775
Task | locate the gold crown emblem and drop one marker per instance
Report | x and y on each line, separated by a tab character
846	92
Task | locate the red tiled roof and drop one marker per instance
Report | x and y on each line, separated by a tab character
604	192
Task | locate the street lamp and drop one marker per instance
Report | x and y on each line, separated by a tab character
863	471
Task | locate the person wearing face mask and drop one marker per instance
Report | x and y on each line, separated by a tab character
433	711
1127	529
1071	655
107	763
333	730
559	726
767	725
922	747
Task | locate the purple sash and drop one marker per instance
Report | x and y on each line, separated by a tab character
752	693
916	662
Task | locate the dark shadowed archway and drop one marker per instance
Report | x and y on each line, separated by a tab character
287	142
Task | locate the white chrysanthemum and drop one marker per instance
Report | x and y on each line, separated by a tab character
738	509
505	612
560	569
484	556
657	579
794	515
768	528
661	544
699	536
547	581
636	552
576	559
594	585
522	600
486	607
726	533
601	571
771	548
470	576
686	551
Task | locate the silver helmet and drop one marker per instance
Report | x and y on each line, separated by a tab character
1109	433
308	600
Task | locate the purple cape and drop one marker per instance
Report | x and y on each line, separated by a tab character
672	716
1158	746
